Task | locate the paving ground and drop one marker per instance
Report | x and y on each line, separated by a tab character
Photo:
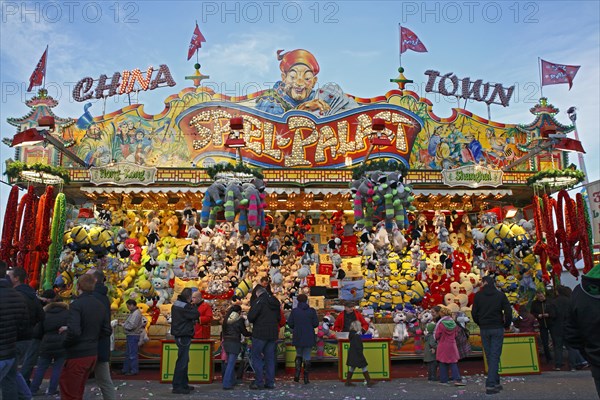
577	385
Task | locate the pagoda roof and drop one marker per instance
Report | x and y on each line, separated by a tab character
544	120
40	107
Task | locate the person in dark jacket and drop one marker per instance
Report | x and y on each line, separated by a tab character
102	369
581	330
86	324
184	314
232	330
52	351
26	347
356	357
14	321
492	312
265	315
545	312
562	302
303	320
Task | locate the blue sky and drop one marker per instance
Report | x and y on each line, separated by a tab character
355	43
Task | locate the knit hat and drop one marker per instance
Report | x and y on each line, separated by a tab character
590	282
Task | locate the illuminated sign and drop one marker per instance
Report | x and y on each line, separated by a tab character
122	83
472	176
122	174
450	85
298	139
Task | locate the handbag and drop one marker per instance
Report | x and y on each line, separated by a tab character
352	290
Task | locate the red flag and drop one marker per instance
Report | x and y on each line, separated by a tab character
39	73
553	74
410	41
196	41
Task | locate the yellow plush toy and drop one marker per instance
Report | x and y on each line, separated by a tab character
167	249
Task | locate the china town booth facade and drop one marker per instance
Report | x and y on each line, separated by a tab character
369	200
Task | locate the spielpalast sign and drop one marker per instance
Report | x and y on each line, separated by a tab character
123	174
472	176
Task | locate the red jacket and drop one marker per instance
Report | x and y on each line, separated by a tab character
202	329
338	326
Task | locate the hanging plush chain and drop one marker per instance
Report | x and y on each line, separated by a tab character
8	229
540	246
57	234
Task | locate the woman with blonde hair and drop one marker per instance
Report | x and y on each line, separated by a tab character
356	358
446	354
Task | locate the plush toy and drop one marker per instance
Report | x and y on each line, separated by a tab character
400	330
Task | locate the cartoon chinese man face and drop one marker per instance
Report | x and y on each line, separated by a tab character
299	81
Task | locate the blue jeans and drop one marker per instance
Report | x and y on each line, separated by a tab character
263	359
304	352
229	374
492	340
444	372
30	359
8	378
180	376
42	365
131	364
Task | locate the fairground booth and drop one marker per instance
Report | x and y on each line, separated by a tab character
373	201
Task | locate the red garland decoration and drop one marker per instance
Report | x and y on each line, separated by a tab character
563	235
588	262
552	245
540	246
42	241
24	236
8	229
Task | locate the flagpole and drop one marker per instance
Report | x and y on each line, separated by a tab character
45	67
400	43
197	61
540	71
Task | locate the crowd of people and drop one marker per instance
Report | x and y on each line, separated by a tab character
38	332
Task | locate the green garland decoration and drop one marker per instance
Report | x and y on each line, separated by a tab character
379	165
588	223
239	168
576	176
16	167
57	236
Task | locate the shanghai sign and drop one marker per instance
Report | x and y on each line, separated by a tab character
472	176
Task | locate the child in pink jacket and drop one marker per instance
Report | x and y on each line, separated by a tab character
447	353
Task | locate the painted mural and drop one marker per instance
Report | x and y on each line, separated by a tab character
296	124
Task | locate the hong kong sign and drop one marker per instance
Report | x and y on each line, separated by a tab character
472	176
299	139
123	174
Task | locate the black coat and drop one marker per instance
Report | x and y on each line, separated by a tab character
265	315
57	315
544	307
491	309
183	317
14	319
581	330
232	335
356	358
100	292
561	305
86	324
303	320
34	309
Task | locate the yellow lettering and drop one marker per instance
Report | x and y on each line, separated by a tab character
326	140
